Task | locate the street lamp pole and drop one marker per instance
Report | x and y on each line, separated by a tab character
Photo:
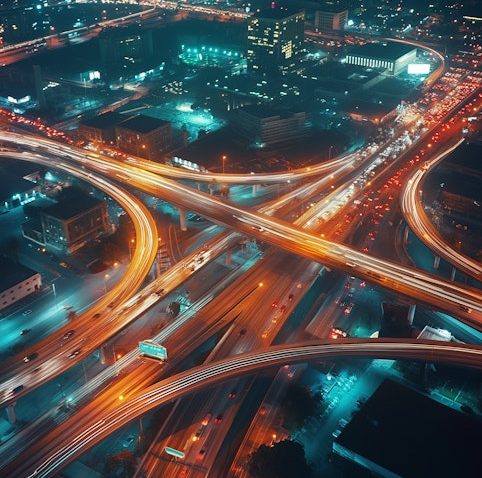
106	276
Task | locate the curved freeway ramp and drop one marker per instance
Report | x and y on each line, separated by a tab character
422	226
94	324
53	453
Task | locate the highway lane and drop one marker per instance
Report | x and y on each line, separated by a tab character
19	51
464	302
48	458
52	358
413	210
150	295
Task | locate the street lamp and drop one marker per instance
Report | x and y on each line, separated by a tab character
223	159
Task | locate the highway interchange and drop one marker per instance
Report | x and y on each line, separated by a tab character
121	306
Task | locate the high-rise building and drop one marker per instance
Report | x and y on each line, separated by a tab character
275	40
330	20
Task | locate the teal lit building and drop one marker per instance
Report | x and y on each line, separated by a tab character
275	41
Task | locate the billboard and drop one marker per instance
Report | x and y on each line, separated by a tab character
152	349
418	68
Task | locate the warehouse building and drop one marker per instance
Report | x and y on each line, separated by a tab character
393	58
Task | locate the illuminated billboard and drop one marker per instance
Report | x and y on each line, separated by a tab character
418	68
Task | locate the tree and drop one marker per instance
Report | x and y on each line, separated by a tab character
110	252
285	459
298	405
174	308
122	464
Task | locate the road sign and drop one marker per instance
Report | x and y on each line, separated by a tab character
153	349
174	452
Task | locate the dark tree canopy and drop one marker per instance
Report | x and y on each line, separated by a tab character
299	405
285	459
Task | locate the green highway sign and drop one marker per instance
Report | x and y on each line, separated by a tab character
152	349
174	452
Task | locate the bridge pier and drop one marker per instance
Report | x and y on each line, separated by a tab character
405	235
411	313
436	262
102	355
182	219
11	413
452	275
255	190
227	258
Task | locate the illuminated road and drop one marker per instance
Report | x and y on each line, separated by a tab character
52	358
414	213
19	51
462	301
48	457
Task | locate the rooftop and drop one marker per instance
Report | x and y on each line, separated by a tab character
263	111
386	51
12	184
11	273
277	13
143	123
368	108
414	436
105	120
71	207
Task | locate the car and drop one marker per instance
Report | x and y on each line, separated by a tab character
200	455
206	420
74	353
36	370
274	304
68	334
283	308
219	418
128	441
290	297
242	332
25	331
232	394
30	357
96	316
17	389
27	312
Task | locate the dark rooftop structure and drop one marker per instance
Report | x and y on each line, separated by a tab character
12	273
387	51
71	207
277	13
142	123
400	432
105	120
12	184
264	111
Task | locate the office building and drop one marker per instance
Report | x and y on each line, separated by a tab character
16	282
393	58
275	41
101	128
71	223
265	126
144	136
330	20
